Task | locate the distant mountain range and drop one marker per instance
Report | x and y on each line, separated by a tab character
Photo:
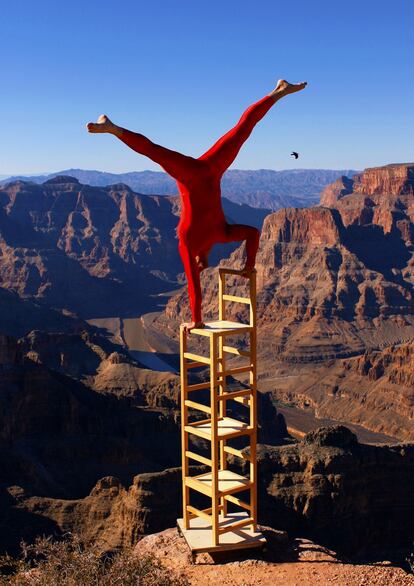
61	238
261	188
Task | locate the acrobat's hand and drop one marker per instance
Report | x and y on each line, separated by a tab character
188	326
201	261
247	271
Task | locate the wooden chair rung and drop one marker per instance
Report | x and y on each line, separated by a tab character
193	429
198	458
232	350
198	513
198	387
243	401
194	512
237	370
236	501
237	453
197	358
198	406
192	364
238	525
237	299
224	271
199	422
233	395
198	486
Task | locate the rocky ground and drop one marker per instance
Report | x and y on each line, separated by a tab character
296	562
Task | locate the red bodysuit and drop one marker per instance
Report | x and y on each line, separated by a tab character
202	222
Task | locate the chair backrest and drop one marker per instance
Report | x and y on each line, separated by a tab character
223	296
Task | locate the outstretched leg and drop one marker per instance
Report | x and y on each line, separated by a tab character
238	232
221	155
180	167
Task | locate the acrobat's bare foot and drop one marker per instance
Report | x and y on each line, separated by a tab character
201	261
192	325
103	124
284	88
247	271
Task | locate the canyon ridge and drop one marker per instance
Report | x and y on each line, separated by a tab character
91	284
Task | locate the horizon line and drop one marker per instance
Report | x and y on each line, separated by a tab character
45	173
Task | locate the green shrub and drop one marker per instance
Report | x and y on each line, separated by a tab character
70	562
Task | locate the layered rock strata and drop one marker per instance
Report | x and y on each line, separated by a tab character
348	496
61	239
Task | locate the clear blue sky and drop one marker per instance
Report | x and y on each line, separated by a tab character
182	71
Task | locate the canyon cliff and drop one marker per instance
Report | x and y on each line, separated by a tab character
60	239
390	180
345	495
78	421
333	283
90	438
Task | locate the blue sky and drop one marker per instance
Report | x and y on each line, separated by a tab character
182	72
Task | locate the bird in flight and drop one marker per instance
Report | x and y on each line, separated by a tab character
294	154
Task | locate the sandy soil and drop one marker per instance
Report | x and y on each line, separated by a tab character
290	563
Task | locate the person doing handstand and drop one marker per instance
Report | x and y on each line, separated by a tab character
202	223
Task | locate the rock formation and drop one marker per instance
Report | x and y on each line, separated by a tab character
333	283
111	516
381	196
336	324
374	389
285	561
58	436
73	411
61	239
322	293
390	180
351	497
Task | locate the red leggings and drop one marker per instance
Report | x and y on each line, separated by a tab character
202	222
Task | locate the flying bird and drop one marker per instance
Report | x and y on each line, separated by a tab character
294	154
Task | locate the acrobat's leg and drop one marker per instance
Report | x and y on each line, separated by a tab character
224	151
192	273
180	167
238	232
